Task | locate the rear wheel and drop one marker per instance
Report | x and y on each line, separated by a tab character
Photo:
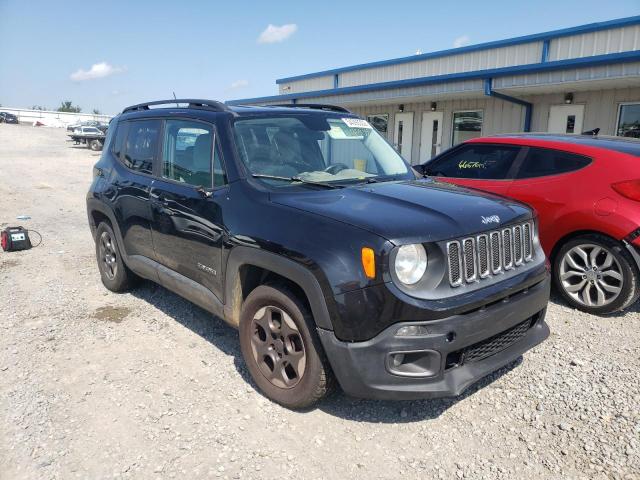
281	348
596	274
114	273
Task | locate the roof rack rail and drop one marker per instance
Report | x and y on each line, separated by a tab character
192	103
314	106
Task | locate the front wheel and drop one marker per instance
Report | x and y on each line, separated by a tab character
95	145
596	274
281	348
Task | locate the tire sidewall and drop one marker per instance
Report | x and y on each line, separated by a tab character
629	291
303	394
120	281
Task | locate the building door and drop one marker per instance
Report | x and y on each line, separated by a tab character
431	135
566	118
403	134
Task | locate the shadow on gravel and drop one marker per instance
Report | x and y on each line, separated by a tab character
213	329
558	300
379	411
222	336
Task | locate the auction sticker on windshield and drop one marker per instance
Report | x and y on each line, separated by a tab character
356	123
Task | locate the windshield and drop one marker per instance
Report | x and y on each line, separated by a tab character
316	148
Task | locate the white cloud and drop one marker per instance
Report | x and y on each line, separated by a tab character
97	70
274	34
461	41
239	84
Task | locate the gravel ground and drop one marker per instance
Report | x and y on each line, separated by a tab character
146	385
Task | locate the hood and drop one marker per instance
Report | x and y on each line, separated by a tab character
410	211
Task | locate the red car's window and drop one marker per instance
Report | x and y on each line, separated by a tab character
542	162
476	161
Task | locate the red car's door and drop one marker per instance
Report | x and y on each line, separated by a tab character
544	182
484	166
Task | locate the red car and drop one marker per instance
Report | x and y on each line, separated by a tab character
586	190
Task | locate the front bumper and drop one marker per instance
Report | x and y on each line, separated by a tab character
489	338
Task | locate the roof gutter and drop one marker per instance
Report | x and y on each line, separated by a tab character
528	107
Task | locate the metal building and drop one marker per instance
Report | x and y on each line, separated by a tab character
568	80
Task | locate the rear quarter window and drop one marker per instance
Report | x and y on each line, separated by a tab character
543	162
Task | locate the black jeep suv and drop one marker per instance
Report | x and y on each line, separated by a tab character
302	227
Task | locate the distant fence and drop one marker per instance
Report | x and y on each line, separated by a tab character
53	119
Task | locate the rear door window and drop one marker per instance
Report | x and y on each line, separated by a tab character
141	145
542	162
476	161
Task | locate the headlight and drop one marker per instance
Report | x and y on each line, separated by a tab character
411	263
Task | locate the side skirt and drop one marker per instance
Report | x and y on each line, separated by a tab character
177	283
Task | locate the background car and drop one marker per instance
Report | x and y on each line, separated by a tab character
88	123
6	117
586	191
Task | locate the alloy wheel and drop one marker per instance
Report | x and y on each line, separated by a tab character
277	347
107	254
591	275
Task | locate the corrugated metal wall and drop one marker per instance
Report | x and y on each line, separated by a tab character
464	87
620	70
609	41
499	117
307	85
601	109
602	42
465	62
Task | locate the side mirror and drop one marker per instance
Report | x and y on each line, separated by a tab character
205	192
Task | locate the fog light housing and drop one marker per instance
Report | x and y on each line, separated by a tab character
417	363
412	331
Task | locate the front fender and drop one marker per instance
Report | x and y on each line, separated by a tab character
297	273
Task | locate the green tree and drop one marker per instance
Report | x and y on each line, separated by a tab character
67	106
38	107
97	112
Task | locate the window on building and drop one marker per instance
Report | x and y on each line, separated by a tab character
141	145
466	125
379	121
187	154
541	162
482	162
629	120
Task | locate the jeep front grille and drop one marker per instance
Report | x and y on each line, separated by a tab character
474	258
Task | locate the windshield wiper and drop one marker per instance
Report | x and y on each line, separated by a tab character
295	179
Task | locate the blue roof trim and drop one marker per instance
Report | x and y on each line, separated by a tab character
584	62
591	27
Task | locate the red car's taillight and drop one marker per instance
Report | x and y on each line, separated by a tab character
629	189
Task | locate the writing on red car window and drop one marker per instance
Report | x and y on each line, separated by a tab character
466	164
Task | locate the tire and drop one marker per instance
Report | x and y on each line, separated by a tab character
281	348
95	145
601	266
114	273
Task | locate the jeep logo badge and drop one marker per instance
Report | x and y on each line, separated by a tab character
491	219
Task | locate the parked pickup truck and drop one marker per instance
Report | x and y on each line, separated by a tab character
303	228
92	137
